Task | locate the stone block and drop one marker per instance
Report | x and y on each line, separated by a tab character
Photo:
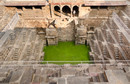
81	35
61	81
81	32
51	35
77	80
36	79
52	41
51	32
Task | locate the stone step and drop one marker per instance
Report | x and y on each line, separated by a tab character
2	78
101	77
3	74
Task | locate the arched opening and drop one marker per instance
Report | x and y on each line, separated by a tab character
75	11
57	8
66	10
57	11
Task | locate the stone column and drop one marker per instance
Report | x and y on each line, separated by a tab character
71	10
23	8
61	10
33	8
52	11
80	14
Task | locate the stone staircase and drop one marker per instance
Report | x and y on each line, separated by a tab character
125	18
61	75
4	76
101	77
1	11
127	10
116	53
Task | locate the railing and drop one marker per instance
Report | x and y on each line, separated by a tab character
65	63
12	23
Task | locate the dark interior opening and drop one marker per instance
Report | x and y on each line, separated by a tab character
94	7
66	10
75	11
91	28
28	7
83	5
46	42
19	7
57	11
103	7
52	83
57	8
38	7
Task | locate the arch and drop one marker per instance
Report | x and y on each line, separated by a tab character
57	8
67	10
57	11
76	9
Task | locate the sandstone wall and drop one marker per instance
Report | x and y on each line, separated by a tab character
66	34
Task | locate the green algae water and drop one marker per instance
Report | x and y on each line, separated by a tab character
66	51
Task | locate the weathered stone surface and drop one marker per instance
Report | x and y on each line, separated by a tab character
16	76
51	32
116	76
51	35
77	80
27	76
4	80
36	79
67	32
68	72
52	41
81	35
61	81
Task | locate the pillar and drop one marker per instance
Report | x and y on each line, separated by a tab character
71	10
23	8
33	8
52	9
61	10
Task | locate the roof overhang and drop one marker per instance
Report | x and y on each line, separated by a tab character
26	3
86	3
90	2
105	3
